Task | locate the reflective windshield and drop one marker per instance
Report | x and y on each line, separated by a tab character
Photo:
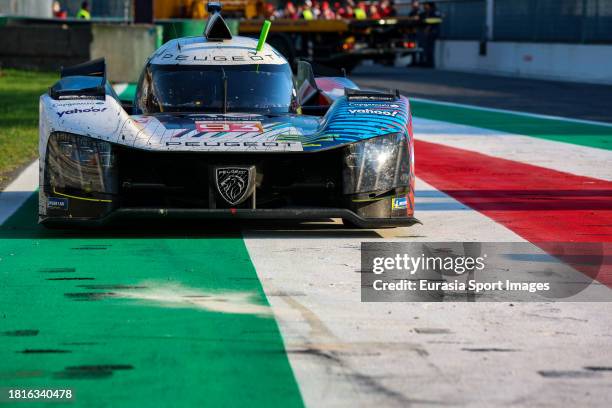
250	88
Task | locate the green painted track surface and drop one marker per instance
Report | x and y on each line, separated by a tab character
550	129
125	319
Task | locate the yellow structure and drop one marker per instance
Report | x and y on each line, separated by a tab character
197	8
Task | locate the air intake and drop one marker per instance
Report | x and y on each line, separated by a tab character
216	29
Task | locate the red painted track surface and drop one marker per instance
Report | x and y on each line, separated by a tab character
539	204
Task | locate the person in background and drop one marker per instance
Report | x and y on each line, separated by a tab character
58	12
360	11
415	10
307	13
269	11
374	13
326	12
84	13
316	9
432	17
387	9
350	9
290	11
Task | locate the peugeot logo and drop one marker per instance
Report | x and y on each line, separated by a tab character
235	184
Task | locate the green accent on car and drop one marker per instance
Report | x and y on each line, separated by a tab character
265	28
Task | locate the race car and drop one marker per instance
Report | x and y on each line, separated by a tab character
220	128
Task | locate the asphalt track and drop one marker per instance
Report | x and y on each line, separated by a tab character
574	100
270	315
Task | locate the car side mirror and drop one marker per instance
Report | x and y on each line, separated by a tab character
306	85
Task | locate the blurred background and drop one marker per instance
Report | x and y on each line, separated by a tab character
568	40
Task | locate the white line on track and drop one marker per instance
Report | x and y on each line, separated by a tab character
564	157
16	193
513	112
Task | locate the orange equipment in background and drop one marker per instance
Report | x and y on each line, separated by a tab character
197	8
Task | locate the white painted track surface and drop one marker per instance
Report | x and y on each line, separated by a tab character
346	353
16	193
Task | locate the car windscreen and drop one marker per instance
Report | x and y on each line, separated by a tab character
250	88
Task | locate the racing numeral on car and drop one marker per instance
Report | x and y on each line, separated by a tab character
233	127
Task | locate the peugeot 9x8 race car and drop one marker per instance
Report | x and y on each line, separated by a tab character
220	128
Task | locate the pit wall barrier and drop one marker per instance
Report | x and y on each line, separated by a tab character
43	47
548	61
48	44
125	47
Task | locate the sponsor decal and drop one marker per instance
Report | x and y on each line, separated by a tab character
218	58
241	145
54	203
399	203
88	97
215	117
76	110
374	105
373	98
230	127
235	184
373	112
65	104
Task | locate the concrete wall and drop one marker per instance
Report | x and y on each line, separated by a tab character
44	47
125	47
566	62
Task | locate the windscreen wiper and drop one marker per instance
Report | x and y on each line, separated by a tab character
224	81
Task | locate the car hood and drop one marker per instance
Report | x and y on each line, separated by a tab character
344	123
233	131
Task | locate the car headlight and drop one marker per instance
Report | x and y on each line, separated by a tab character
80	164
377	165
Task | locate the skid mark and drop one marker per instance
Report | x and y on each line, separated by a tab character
432	330
91	371
22	374
57	270
21	333
321	344
88	296
91	247
111	287
568	374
